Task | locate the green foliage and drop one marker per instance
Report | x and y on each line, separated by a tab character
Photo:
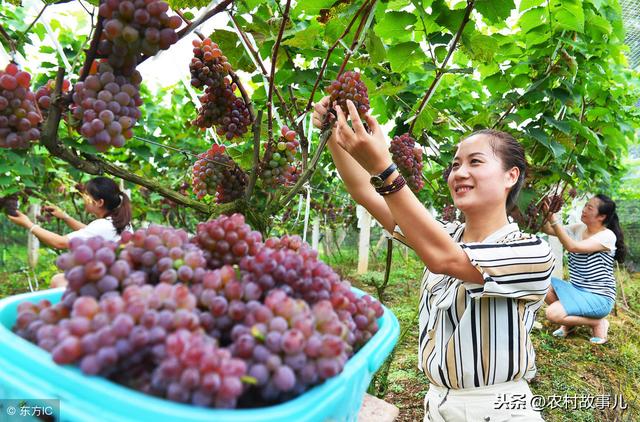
551	72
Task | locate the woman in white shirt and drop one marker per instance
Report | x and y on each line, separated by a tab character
590	294
485	279
103	199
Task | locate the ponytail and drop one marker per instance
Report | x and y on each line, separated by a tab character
116	202
121	216
608	208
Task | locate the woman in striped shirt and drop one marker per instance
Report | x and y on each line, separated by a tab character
484	279
593	245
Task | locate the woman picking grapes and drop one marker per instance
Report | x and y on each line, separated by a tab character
484	279
593	245
103	199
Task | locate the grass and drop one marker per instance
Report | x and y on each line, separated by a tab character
570	367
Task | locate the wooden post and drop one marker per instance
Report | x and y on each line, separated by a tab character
315	234
33	244
364	224
558	251
328	241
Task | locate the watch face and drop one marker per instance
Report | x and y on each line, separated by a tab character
376	181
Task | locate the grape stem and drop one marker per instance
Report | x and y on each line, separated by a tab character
443	65
274	58
366	4
249	47
308	172
256	155
92	164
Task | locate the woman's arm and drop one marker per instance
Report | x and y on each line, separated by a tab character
355	178
66	218
589	245
423	233
45	236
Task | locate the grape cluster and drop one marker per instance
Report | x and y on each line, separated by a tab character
106	103
10	205
161	254
408	157
208	66
216	174
448	213
107	107
132	29
333	213
44	93
277	167
349	86
195	370
220	107
166	314
19	114
226	240
555	203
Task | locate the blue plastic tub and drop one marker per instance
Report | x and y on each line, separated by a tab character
28	372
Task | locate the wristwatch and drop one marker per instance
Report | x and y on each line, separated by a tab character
378	180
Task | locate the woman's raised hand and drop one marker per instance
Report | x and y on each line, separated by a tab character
320	110
370	150
20	219
55	211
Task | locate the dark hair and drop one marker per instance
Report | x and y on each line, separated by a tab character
509	150
608	208
115	201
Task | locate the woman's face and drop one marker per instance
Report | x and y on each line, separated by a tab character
92	205
477	179
590	214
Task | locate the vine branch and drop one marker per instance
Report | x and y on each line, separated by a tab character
441	69
256	155
274	58
92	164
330	51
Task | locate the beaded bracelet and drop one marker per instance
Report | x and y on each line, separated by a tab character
395	186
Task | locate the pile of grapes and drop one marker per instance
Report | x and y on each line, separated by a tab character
277	167
408	157
220	107
216	174
221	319
106	104
19	114
349	86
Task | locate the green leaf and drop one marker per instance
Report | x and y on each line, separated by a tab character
404	54
395	26
527	4
480	47
598	26
311	7
450	19
533	19
375	47
563	127
306	38
232	49
537	36
567	15
495	10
